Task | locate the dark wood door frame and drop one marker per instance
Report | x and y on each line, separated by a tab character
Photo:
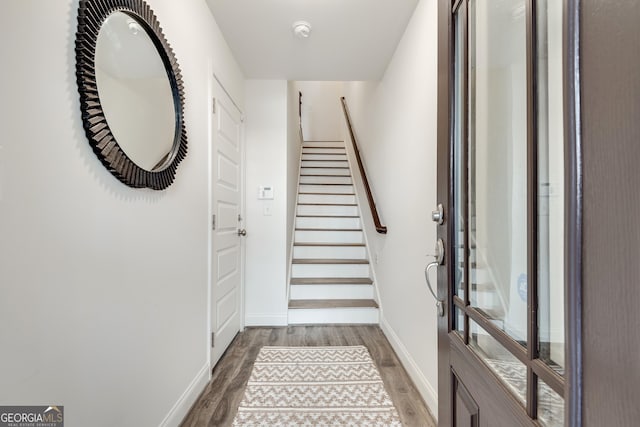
444	167
610	144
573	206
573	214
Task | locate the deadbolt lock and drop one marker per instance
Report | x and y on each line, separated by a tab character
438	214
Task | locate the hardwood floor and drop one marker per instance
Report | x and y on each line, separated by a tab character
218	403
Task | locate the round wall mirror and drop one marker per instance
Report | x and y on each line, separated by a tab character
130	91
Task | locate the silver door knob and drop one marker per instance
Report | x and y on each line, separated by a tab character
242	232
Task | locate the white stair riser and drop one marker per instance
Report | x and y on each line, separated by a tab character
331	292
329	164
328	223
324	171
327	210
344	189
327	252
329	236
310	144
327	199
340	157
312	150
329	270
311	316
325	180
480	275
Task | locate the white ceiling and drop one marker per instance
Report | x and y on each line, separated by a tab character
350	39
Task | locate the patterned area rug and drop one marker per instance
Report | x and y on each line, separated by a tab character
315	386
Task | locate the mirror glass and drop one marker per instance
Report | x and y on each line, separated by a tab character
135	92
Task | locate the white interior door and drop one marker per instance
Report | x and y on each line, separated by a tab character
227	246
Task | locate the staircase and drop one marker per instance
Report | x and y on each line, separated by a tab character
331	280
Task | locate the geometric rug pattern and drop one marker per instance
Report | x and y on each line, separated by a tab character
315	386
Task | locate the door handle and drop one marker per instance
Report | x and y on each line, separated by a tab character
242	232
439	260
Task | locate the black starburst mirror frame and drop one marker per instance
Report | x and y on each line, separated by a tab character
91	16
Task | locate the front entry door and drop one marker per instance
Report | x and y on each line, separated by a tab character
227	257
501	180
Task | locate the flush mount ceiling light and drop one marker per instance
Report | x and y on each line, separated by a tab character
134	27
301	29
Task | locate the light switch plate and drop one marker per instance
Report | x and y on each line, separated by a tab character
265	192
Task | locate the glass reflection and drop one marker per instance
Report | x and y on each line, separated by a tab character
497	163
135	92
504	364
550	406
458	234
458	321
550	185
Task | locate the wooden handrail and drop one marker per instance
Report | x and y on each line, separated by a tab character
382	229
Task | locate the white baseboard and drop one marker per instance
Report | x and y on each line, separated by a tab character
426	390
188	398
266	319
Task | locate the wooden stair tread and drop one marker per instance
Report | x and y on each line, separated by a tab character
333	303
493	313
329	261
327	244
331	280
322	183
327	204
327	216
482	287
330	194
325	176
325	154
322	167
328	229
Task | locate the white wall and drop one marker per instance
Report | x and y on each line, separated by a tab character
395	120
266	221
321	111
103	287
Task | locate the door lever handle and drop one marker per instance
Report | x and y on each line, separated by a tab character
439	302
439	259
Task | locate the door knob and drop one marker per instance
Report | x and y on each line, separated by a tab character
242	232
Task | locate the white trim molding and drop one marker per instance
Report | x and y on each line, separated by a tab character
427	391
266	319
188	398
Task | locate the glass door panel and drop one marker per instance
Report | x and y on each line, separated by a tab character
550	184
504	364
506	189
497	163
458	148
550	406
